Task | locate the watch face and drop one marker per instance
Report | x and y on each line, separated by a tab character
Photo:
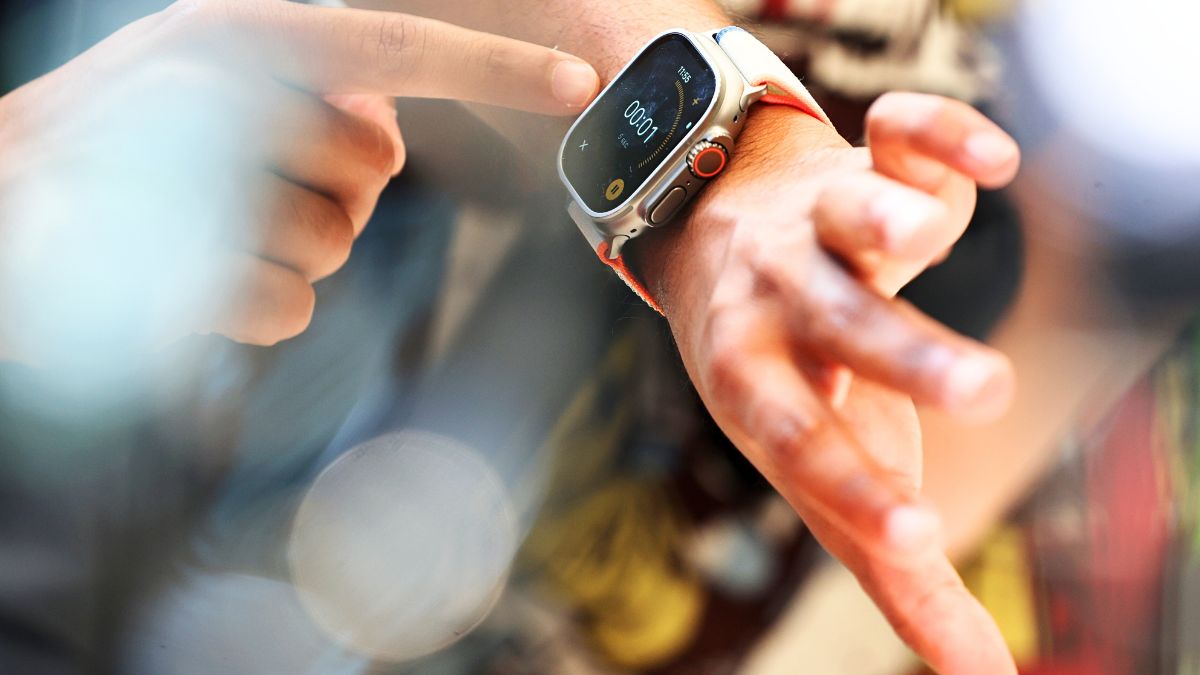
638	122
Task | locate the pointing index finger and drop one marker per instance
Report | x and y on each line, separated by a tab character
341	51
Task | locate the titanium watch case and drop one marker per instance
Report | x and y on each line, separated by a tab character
720	125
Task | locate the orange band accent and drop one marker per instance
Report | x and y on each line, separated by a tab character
618	264
791	102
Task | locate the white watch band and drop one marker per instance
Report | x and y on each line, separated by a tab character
760	66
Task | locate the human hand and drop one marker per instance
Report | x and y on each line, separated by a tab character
783	276
197	171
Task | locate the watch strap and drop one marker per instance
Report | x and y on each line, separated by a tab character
611	258
622	270
761	68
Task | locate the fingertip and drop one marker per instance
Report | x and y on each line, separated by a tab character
574	83
1003	175
975	645
980	388
995	157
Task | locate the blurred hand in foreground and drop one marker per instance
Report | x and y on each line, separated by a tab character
197	171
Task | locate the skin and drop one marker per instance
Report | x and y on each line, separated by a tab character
779	282
321	144
770	336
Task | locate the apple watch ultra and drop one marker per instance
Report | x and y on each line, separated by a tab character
662	129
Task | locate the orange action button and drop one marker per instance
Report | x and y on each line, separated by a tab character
709	162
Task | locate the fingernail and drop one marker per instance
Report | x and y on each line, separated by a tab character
979	388
989	149
902	214
913	529
574	83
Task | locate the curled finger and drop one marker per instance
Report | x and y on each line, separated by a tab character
330	151
870	221
919	138
298	229
265	303
892	343
794	439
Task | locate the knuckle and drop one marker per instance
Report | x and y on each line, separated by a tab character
364	145
299	306
724	375
399	156
491	59
226	27
776	275
380	151
778	265
829	204
339	235
185	90
185	79
922	359
768	274
784	432
879	234
400	35
840	312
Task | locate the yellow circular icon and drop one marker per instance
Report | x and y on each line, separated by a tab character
614	190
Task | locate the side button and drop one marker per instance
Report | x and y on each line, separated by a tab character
668	205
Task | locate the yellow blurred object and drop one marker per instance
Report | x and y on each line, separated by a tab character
1002	581
612	558
608	546
980	11
659	613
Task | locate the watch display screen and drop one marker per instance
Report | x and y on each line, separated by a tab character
638	122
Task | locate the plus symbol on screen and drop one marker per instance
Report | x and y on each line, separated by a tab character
583	145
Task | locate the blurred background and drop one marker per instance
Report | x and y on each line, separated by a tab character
448	473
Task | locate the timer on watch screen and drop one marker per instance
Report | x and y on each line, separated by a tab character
638	122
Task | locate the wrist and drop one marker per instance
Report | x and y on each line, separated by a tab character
612	52
674	262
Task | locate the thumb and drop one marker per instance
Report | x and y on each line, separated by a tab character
344	51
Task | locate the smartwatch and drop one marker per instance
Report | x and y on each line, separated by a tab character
662	129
